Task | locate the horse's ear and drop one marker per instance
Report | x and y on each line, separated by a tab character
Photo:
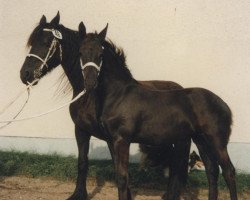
43	20
103	33
56	19
82	30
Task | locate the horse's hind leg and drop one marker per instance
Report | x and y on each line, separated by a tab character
178	170
215	148
212	171
228	171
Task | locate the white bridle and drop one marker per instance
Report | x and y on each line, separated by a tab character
51	51
98	68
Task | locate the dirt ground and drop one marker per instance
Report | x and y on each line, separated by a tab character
15	188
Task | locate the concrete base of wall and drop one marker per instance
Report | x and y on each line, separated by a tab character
239	152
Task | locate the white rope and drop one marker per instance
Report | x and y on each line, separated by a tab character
21	109
52	48
18	95
50	111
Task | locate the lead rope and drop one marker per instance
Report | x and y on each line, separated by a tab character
17	96
21	109
45	113
52	48
44	63
28	92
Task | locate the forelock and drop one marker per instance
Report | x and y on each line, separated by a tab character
37	32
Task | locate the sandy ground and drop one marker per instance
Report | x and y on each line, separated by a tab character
15	188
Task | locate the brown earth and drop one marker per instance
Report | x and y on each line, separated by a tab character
24	188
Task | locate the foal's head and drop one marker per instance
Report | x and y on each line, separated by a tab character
91	52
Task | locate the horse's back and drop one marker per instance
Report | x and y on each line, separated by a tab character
160	85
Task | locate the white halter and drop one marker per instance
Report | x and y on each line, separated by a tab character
98	68
52	50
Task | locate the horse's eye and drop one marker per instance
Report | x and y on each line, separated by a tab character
46	43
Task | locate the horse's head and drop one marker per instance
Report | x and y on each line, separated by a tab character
45	53
91	51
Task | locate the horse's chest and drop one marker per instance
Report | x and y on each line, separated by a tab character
83	115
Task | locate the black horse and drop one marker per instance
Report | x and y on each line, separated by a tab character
53	44
129	113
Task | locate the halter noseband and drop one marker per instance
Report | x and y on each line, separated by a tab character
57	35
98	68
92	64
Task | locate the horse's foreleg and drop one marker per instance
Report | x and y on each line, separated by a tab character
121	156
82	139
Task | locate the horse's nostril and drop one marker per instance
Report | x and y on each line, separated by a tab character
26	74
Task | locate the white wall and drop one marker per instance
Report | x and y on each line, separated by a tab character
195	43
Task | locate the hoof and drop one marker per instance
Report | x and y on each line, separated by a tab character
184	196
78	196
164	196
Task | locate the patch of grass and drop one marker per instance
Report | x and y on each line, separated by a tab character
17	163
65	168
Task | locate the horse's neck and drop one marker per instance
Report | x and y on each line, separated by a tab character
113	75
71	64
112	83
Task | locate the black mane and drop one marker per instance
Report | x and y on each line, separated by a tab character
118	56
118	51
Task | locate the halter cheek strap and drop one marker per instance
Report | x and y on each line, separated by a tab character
51	51
39	58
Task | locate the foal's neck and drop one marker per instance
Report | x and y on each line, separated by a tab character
114	70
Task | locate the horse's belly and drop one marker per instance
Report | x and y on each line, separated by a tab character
163	132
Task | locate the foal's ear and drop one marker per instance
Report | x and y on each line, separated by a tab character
82	30
43	20
103	33
56	19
